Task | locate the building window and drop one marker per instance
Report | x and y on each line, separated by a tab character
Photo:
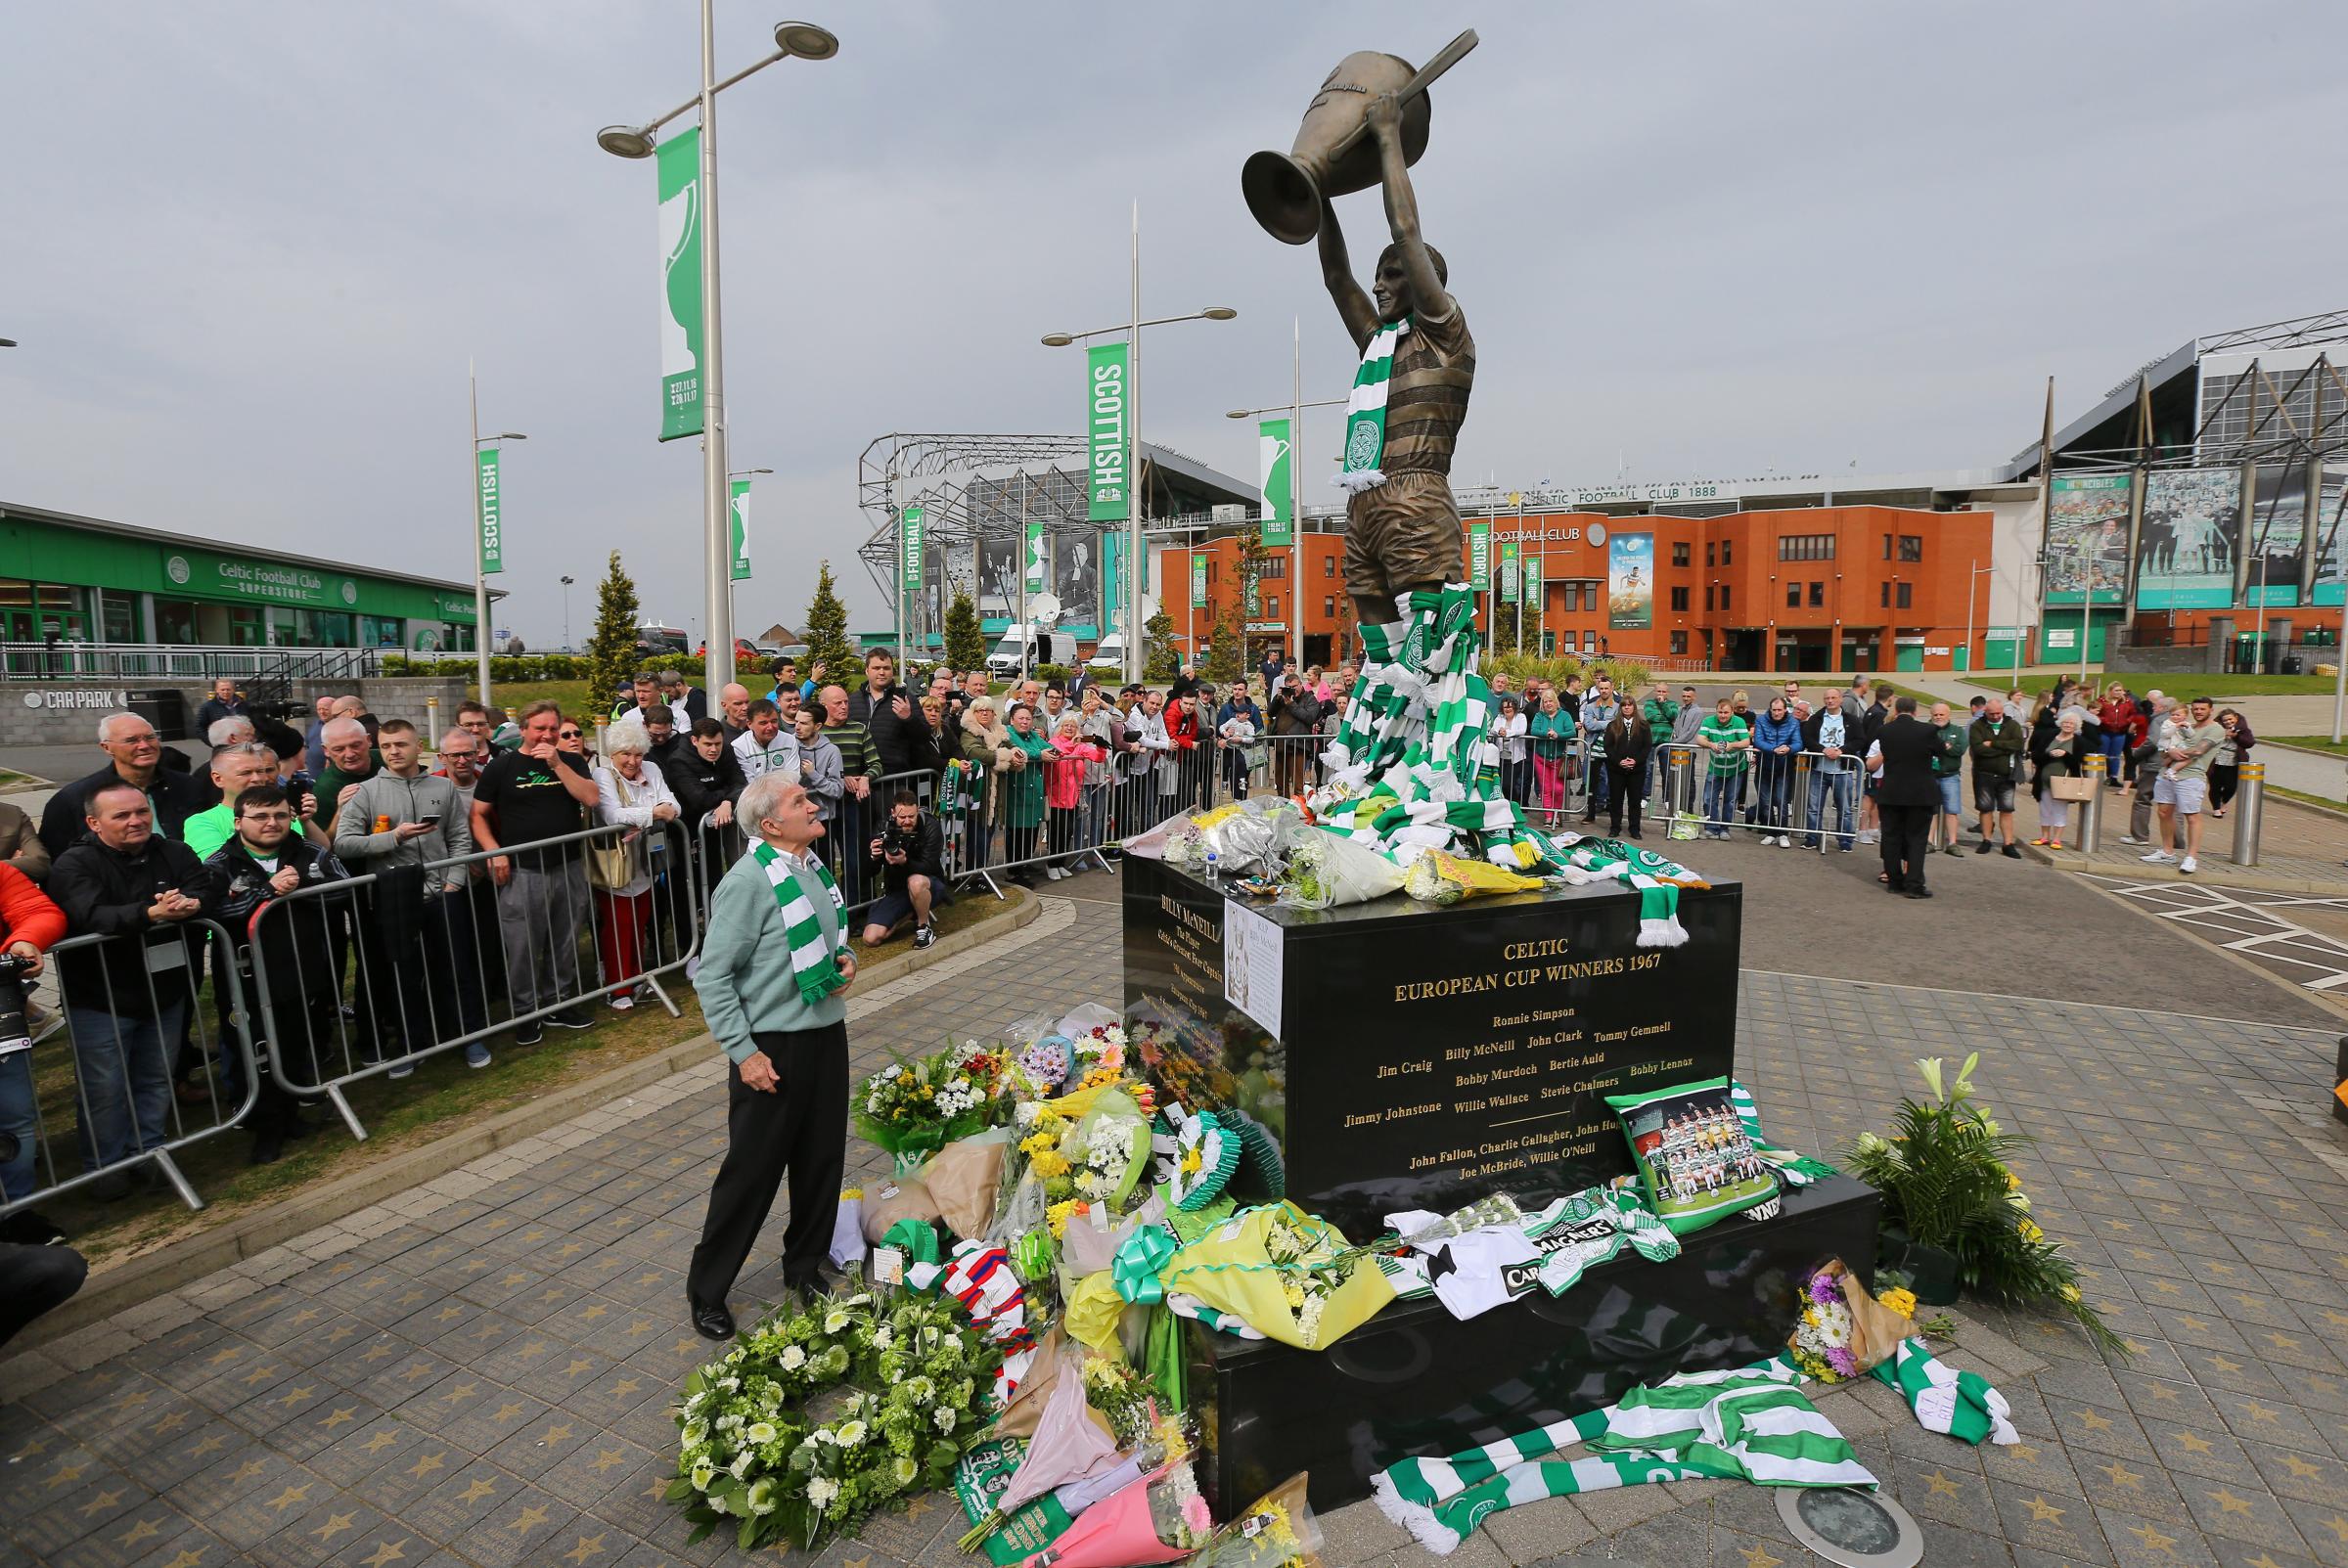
1905	600
1707	599
1884	593
1911	547
1806	547
1329	607
1710	550
1727	549
1679	553
1678	641
1329	565
1724	595
1271	603
383	631
1818	595
1589	642
1273	565
1679	599
1793	595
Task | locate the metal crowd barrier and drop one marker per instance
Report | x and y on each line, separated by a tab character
114	1068
430	971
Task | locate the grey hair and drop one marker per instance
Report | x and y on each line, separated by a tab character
626	735
108	723
244	748
338	729
223	730
669	677
762	797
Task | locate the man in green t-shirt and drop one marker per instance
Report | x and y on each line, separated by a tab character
2181	788
1725	741
235	768
1948	770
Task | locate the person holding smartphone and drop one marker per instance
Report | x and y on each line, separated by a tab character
416	925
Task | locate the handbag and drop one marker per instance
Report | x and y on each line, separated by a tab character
2069	786
612	865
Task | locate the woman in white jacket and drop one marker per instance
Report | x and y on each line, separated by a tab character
633	795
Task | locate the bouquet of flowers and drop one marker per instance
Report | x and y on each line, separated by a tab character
1100	1056
1821	1340
917	1106
1277	1531
912	1376
1945	1181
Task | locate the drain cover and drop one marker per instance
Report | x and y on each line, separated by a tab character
1851	1527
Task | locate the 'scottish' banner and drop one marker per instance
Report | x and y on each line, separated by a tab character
493	537
1279	489
739	528
1107	399
1630	581
680	167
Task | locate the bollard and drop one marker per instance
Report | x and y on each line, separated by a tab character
2249	806
431	730
2091	810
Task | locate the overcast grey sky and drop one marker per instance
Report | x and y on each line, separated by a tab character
251	247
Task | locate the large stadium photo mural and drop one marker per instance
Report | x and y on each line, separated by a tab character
2192	522
2086	539
2278	531
1630	582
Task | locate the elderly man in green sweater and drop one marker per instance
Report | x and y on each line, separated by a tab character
775	961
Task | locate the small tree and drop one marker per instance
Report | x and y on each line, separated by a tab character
966	643
612	655
1227	651
826	633
1162	660
1504	626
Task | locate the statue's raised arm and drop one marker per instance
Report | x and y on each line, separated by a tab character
1432	302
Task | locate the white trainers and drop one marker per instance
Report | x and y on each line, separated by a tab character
2130	838
2159	857
2188	866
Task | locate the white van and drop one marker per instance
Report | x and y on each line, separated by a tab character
1109	656
1039	648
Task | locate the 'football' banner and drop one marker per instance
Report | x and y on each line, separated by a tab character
1279	489
680	167
1105	393
493	538
909	555
738	530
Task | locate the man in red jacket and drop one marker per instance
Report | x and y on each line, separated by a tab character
29	923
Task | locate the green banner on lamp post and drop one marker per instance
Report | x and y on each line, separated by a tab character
909	555
1280	488
1107	402
1533	583
680	170
1479	556
1197	581
739	530
1036	551
493	535
1510	582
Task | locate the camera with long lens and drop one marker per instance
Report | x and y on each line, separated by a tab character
15	1029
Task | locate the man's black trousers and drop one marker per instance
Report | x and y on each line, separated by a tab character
799	1130
1907	838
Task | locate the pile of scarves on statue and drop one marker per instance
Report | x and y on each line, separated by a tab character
1056	1214
1410	798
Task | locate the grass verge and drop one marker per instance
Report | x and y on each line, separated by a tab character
2311	743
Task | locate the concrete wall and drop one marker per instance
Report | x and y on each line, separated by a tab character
67	712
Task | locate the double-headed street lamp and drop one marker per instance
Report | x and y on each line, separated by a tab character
1296	405
801	40
1137	565
567	581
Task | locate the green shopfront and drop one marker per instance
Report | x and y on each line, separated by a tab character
79	579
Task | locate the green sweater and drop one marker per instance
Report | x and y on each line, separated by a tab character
745	981
1724	733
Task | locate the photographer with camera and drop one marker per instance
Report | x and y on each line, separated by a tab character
909	856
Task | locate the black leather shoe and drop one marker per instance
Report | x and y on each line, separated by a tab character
1919	892
710	1323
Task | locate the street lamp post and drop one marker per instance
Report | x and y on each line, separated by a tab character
805	41
481	579
1137	567
1296	405
1978	572
567	582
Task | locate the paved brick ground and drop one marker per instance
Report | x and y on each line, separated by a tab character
477	1370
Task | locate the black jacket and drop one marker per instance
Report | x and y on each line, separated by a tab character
891	739
176	796
1909	745
106	892
296	943
926	858
700	786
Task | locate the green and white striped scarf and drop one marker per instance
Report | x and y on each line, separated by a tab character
1366	412
811	965
1751	1423
1796	1170
1945	1400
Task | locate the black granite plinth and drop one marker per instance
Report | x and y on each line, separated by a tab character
1415	1380
1419	1056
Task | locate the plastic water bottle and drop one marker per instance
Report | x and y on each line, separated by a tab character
1211	871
